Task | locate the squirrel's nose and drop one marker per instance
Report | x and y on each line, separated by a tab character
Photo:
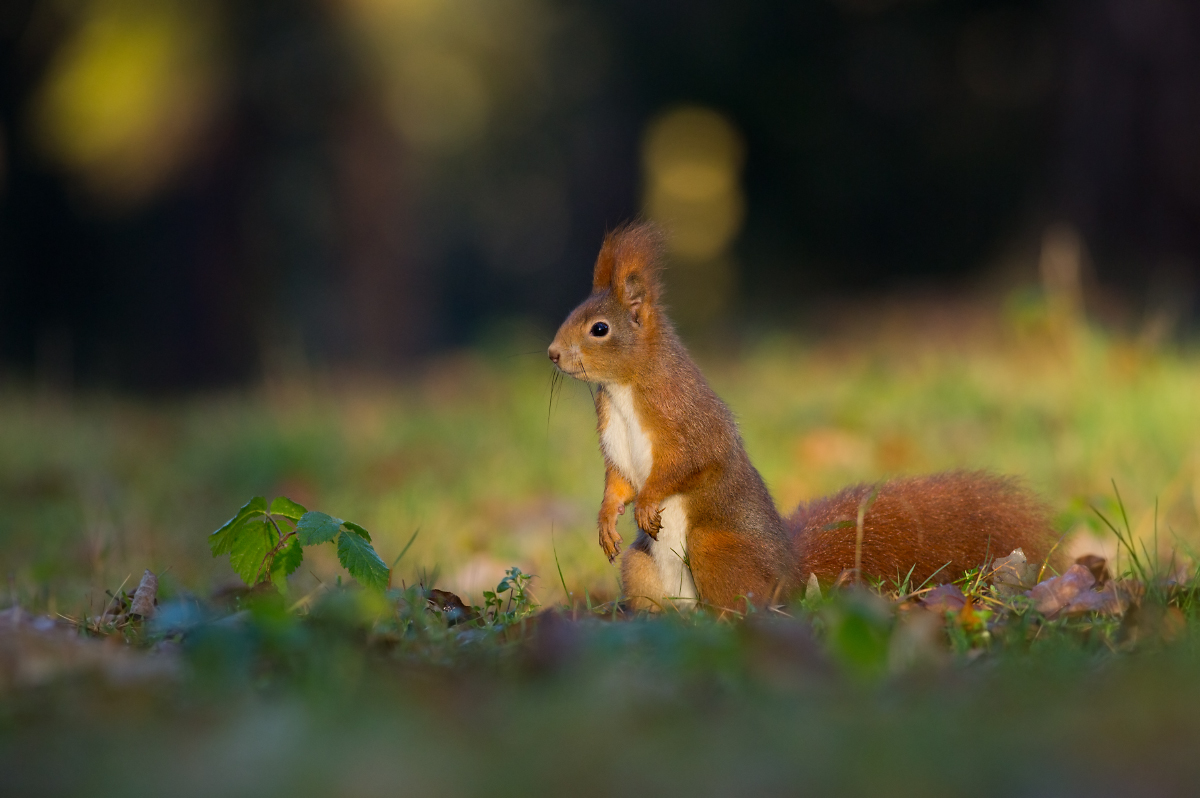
554	353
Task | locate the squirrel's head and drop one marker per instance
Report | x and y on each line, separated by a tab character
606	337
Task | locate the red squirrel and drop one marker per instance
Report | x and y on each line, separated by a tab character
708	530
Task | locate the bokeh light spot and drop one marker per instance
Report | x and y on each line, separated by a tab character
122	104
693	159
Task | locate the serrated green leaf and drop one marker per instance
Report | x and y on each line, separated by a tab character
289	558
250	547
314	527
362	533
359	558
286	561
222	541
286	508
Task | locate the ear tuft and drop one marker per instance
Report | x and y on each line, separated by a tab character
606	261
629	264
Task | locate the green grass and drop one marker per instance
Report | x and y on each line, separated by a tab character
366	698
95	488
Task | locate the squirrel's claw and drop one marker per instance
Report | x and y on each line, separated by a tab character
649	519
610	540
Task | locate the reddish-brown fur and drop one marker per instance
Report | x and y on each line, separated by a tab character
738	546
938	526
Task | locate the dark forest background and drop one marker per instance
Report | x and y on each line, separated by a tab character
193	194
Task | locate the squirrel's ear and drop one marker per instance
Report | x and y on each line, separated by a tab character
602	275
631	256
634	295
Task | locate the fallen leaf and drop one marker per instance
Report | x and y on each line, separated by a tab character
967	615
145	597
1107	600
944	598
1057	592
450	605
1097	565
1014	574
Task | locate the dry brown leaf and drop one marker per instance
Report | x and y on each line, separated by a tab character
1097	565
450	605
1014	574
967	615
1073	593
944	598
145	597
1052	595
1107	600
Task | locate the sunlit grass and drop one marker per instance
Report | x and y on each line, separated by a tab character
469	451
347	692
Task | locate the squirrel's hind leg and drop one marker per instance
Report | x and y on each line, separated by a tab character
730	571
639	576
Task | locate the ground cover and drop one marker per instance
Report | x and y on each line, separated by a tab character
330	688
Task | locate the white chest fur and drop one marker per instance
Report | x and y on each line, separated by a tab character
670	551
624	440
628	447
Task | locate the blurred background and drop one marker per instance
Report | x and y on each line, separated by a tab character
198	193
318	247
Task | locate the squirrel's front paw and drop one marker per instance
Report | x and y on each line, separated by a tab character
649	519
610	538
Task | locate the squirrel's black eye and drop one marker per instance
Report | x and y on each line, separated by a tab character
599	329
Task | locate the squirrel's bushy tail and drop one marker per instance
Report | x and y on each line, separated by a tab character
939	526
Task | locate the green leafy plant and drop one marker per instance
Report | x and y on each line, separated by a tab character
510	601
266	543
